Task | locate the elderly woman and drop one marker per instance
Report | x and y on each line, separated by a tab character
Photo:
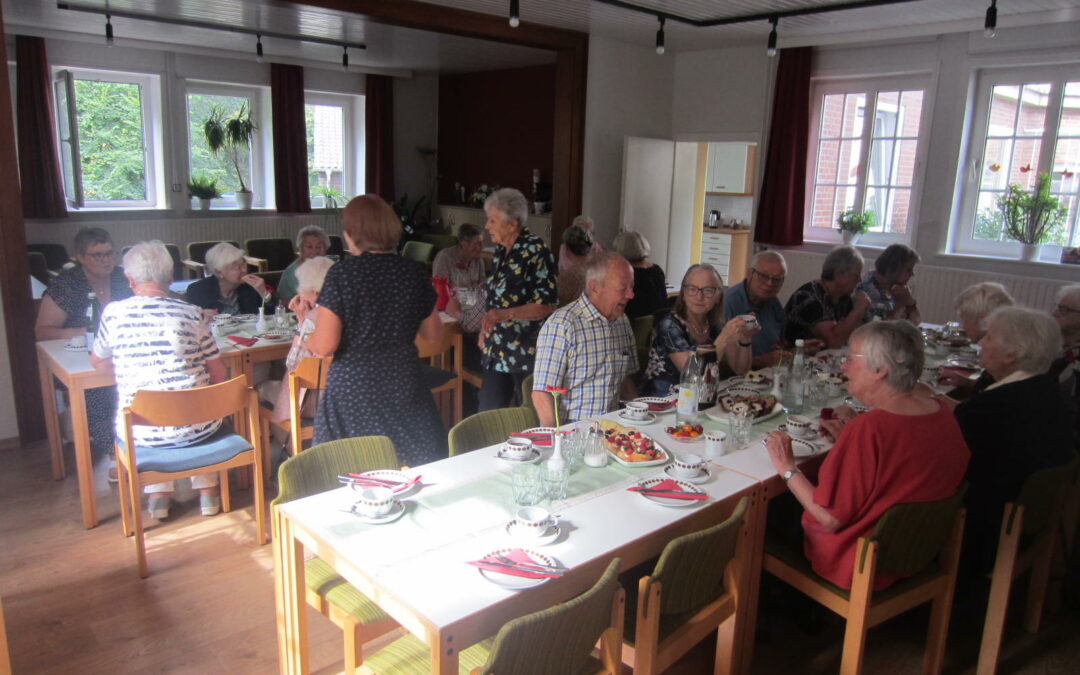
462	265
311	242
371	308
1066	367
1016	426
973	305
64	314
520	295
906	448
824	308
696	322
152	341
567	257
886	285
230	289
650	284
571	282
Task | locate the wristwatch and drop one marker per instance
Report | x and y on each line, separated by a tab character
788	474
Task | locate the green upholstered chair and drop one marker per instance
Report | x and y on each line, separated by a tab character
526	392
692	591
56	256
920	541
489	427
337	246
420	251
1026	542
559	639
314	471
439	241
643	328
39	269
195	262
277	252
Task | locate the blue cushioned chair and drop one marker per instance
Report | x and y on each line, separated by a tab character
138	466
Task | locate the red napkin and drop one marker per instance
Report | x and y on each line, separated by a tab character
543	440
668	484
518	556
243	341
660	407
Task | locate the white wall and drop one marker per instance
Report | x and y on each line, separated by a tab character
722	94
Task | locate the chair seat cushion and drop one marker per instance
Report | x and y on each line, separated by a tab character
323	580
409	655
433	377
222	446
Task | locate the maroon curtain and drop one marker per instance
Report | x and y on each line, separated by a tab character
39	166
290	139
783	187
379	136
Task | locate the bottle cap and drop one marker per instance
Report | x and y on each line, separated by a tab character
799	343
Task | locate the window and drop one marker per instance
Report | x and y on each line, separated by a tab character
109	141
1025	122
232	171
865	155
333	152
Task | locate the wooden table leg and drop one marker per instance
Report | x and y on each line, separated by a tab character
52	421
444	656
459	369
84	463
289	596
748	605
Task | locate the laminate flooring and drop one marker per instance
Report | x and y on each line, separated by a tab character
74	603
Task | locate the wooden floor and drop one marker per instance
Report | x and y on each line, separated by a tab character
73	602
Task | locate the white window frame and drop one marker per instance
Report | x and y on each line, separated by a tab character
870	86
961	233
353	157
153	152
261	156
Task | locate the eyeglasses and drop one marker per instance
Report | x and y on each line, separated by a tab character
707	291
102	256
1062	309
769	278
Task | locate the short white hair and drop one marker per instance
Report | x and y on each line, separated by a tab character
511	203
897	347
841	260
632	245
312	231
149	262
977	301
596	269
311	274
1069	291
768	254
220	256
1033	337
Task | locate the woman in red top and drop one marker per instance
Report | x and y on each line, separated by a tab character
905	449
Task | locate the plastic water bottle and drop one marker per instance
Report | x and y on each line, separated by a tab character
556	471
795	387
690	386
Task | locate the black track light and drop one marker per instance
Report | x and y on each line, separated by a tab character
344	58
772	36
515	13
258	48
660	36
990	26
108	31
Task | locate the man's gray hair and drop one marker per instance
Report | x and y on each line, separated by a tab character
632	245
770	255
1069	292
841	260
597	266
897	347
149	262
511	202
221	255
977	301
312	231
1034	337
312	272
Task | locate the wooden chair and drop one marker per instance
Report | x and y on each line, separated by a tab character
921	540
195	262
419	251
559	639
309	374
275	253
643	328
39	269
316	471
489	427
443	373
693	591
439	241
140	466
1026	542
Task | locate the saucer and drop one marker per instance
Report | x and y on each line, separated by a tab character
534	455
510	581
649	419
75	348
395	512
702	477
548	537
272	337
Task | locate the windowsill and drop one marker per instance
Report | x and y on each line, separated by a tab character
121	215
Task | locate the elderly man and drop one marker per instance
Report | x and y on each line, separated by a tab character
756	294
823	308
587	347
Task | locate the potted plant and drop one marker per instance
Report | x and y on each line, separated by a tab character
204	188
852	224
1028	216
231	135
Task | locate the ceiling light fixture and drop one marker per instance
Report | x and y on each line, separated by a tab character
108	31
515	14
772	36
258	48
990	26
660	36
345	58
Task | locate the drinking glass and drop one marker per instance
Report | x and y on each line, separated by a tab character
739	428
817	393
555	480
467	297
528	487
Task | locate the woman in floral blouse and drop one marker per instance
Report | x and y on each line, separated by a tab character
521	293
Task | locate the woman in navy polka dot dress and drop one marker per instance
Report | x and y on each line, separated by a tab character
371	308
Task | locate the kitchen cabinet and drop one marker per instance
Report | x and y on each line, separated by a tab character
731	168
728	251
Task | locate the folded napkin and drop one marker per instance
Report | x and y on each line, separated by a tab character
243	341
660	407
378	481
491	564
666	485
540	439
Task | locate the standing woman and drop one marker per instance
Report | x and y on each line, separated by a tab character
63	315
521	293
371	307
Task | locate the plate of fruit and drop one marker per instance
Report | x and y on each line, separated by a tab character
630	447
761	406
685	433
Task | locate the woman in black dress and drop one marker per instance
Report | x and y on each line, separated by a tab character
370	310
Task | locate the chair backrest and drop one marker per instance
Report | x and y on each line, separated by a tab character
196	250
439	241
426	349
559	639
278	252
337	247
56	256
691	568
272	279
182	407
174	253
316	469
310	373
911	536
526	392
1042	494
419	251
643	328
39	269
489	427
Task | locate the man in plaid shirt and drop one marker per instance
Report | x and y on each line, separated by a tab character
587	347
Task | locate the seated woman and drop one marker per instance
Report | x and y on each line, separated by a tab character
906	448
568	258
886	285
571	282
230	289
462	265
152	341
650	284
311	242
1016	426
696	322
973	305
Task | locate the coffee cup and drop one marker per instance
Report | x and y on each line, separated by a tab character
533	521
750	319
836	385
517	447
714	443
636	410
375	501
77	342
799	426
687	466
930	373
